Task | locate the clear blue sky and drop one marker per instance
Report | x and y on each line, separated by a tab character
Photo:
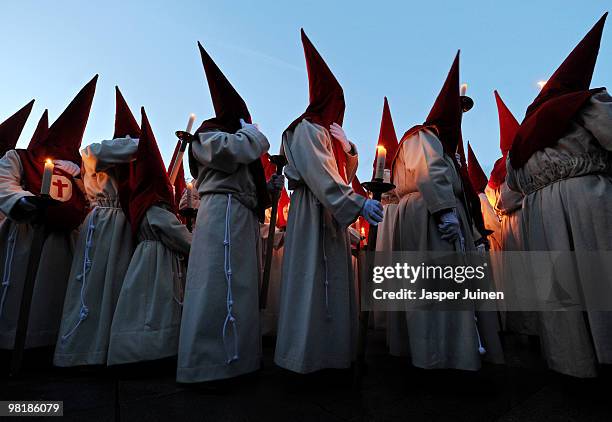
400	49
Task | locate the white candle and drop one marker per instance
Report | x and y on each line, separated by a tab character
190	122
463	89
189	193
45	186
387	176
380	162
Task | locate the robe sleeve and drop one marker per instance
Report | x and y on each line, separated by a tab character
597	118
433	175
11	190
317	167
352	162
226	151
171	232
104	155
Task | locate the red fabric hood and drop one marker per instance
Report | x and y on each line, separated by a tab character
149	182
11	128
326	99
508	127
387	137
478	179
566	91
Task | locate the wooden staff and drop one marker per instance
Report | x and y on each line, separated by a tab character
280	161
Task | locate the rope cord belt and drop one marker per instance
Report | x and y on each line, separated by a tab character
230	320
8	265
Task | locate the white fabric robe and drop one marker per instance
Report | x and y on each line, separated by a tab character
220	332
427	182
53	269
148	313
101	259
318	313
568	206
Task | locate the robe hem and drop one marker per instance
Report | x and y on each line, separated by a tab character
217	372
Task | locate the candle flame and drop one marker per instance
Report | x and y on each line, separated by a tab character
189	185
463	89
192	116
541	84
381	148
49	161
363	232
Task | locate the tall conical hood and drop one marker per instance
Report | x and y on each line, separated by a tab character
149	182
11	128
478	177
576	71
66	133
326	98
125	123
41	131
228	104
565	92
508	125
446	112
387	136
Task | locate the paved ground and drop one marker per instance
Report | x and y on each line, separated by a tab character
391	391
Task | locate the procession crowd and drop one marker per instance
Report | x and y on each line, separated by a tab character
130	263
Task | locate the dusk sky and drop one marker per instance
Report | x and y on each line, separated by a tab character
399	49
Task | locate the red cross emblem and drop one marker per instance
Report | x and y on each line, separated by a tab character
61	188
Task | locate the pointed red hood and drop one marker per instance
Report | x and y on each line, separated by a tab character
565	92
65	135
11	128
387	137
125	122
229	109
477	175
508	127
149	182
228	104
42	129
326	98
446	112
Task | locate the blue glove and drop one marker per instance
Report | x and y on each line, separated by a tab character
372	211
449	226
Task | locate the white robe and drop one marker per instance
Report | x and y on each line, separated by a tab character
101	259
53	269
318	315
220	333
568	206
148	313
427	182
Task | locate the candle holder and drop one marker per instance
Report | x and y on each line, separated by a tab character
184	136
190	214
466	103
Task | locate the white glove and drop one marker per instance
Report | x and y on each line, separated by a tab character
482	249
449	226
68	167
338	133
372	211
249	125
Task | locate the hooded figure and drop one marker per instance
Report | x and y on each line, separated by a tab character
148	313
318	311
220	333
21	176
269	315
561	161
432	216
507	205
104	247
10	130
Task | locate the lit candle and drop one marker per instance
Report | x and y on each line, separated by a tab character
380	162
541	84
45	186
463	89
190	122
387	176
189	193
